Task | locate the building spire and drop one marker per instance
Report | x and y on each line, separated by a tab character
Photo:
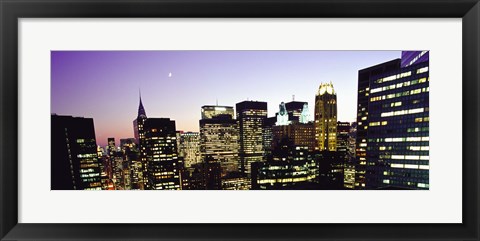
141	110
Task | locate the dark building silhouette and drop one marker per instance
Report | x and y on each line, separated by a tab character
206	175
139	133
294	109
163	169
251	117
75	164
330	170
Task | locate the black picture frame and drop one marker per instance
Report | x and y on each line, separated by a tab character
11	11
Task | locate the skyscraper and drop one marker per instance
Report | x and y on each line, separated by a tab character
289	167
363	99
395	136
299	134
268	126
219	137
189	148
326	118
132	166
138	123
282	116
294	109
251	116
305	114
75	164
138	129
343	129
161	154
349	168
209	111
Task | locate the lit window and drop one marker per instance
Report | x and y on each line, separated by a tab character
422	70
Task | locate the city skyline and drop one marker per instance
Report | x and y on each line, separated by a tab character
192	79
243	145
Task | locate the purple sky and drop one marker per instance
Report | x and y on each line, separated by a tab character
104	85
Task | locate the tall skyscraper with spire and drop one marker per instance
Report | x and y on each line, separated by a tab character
139	133
326	118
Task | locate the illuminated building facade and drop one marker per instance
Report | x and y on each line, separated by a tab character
251	117
326	118
396	129
236	181
349	169
210	111
268	136
343	135
161	154
282	116
75	164
290	167
363	100
305	115
300	134
343	130
132	167
219	138
189	148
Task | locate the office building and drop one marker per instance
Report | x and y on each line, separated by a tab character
132	165
139	133
219	138
294	109
251	117
343	130
290	167
300	134
326	118
74	164
330	170
393	144
282	116
349	168
305	115
268	136
163	171
210	111
363	100
236	181
189	148
206	175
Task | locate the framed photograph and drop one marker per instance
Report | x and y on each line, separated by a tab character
181	120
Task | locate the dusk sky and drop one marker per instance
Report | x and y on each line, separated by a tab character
104	85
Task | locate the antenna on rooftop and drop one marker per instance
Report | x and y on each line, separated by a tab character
293	97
